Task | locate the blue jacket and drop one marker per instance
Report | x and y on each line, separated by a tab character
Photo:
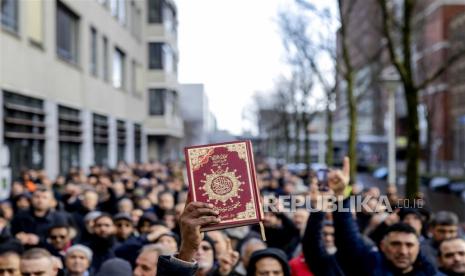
360	259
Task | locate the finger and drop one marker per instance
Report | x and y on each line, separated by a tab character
228	245
206	220
346	167
197	204
196	213
192	206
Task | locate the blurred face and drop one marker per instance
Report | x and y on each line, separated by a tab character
136	214
9	265
414	221
204	256
249	250
41	201
38	267
90	200
146	264
452	257
328	237
444	232
59	238
124	229
125	206
144	203
220	242
23	203
166	201
401	249
77	262
169	243
104	227
119	189
170	220
268	267
271	220
7	211
145	227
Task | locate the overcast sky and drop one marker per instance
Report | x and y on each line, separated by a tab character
234	48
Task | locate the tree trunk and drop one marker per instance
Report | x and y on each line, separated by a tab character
329	137
307	150
297	138
413	145
349	78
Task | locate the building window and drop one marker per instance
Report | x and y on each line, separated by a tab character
67	33
155	11
69	137
9	12
121	139
35	19
168	58
93	52
172	103
100	129
169	18
118	10
155	55
24	131
105	59
118	69
122	11
157	101
137	142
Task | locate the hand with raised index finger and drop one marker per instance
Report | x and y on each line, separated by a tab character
338	180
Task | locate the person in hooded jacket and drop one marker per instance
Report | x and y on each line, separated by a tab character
269	261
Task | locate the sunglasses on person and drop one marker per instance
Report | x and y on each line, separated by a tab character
57	237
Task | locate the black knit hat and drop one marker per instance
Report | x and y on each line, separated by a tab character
274	253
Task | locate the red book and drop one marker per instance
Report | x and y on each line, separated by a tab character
224	175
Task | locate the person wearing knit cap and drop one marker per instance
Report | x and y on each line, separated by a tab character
77	260
124	227
115	267
169	241
269	261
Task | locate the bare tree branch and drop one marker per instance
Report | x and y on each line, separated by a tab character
450	61
387	23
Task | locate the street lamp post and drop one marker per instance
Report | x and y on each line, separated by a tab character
391	79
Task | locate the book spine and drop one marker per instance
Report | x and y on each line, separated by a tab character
256	191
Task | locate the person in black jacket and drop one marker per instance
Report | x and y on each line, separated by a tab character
103	242
31	227
318	253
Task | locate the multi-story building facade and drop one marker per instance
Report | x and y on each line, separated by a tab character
76	85
164	123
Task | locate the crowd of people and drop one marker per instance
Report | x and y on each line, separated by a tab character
139	220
